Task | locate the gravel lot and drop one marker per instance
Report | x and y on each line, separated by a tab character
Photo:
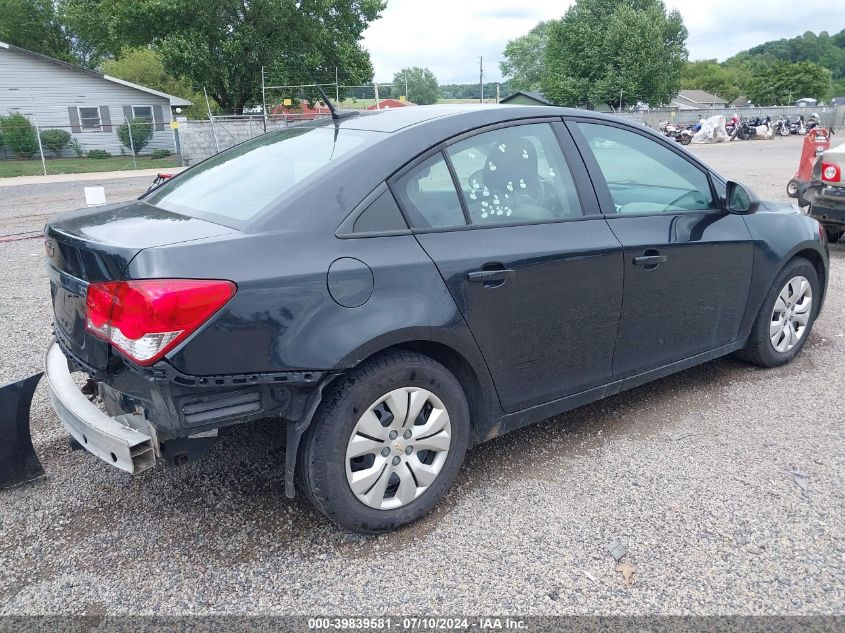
694	474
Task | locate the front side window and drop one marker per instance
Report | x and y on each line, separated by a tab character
236	185
428	195
644	176
89	119
515	174
142	113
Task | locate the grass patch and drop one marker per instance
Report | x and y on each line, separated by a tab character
81	165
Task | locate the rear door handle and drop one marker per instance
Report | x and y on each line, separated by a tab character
491	278
645	260
650	260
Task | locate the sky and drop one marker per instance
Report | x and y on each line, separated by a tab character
448	36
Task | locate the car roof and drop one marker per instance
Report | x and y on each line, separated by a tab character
395	119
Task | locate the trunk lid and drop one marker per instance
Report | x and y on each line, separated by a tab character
95	245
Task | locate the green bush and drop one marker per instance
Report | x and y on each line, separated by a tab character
142	134
160	153
76	147
98	154
19	134
55	140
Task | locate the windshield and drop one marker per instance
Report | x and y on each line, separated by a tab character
236	185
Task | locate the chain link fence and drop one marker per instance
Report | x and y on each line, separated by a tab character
92	141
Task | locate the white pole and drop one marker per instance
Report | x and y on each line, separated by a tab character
38	135
336	87
375	89
481	76
211	119
131	143
407	98
263	99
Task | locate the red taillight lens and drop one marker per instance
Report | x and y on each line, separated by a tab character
831	172
145	319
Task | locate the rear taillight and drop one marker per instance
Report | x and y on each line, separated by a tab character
145	319
831	172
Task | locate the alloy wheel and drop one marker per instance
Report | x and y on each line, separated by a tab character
398	448
791	314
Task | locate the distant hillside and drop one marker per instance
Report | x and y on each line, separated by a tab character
823	49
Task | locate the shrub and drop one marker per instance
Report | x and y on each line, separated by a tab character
55	140
19	134
76	147
98	154
142	134
160	153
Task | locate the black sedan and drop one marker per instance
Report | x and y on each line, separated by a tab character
396	287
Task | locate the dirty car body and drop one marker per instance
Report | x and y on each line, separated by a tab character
341	241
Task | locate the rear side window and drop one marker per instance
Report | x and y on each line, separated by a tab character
515	174
428	195
236	185
644	176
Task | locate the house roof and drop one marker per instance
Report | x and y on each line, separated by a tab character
174	101
390	103
530	94
698	97
740	102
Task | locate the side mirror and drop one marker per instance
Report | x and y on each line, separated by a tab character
740	199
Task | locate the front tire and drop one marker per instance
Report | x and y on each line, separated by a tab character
386	444
792	188
786	316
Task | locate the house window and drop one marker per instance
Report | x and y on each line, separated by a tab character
144	114
89	119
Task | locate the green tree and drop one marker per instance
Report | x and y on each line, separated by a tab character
719	79
524	58
34	25
143	66
612	51
782	83
136	136
55	140
19	134
422	85
223	45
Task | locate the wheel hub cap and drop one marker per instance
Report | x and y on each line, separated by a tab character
791	314
398	448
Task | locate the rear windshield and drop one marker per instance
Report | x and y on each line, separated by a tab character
236	185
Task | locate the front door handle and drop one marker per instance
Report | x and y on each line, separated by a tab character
650	260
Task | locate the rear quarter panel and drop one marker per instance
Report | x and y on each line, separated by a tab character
283	316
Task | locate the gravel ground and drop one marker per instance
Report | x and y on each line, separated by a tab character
694	474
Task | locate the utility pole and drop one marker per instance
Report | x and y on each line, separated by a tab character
481	76
620	101
497	92
336	87
375	90
405	72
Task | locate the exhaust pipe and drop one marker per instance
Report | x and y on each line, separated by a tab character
18	462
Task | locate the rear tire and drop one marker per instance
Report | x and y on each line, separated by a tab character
833	235
792	188
778	334
363	432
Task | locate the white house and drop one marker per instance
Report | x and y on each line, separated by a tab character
86	103
697	100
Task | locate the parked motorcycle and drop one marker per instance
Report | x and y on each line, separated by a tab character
781	126
682	135
798	126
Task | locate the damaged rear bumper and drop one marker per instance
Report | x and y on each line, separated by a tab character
126	441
